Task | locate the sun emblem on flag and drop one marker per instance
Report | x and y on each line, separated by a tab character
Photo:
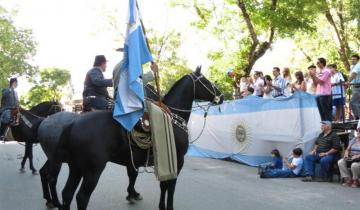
242	134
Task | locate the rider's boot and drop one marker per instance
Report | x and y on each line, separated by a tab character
2	131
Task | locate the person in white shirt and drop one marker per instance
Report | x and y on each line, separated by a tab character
258	84
243	84
354	80
293	168
310	86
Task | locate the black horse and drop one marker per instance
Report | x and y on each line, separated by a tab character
26	130
95	138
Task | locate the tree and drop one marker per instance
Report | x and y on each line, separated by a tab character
344	17
48	85
17	47
336	36
248	28
164	47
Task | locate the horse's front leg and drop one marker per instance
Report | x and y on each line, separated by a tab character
30	155
163	188
132	194
170	196
27	154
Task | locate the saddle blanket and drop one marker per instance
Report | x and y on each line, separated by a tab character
164	148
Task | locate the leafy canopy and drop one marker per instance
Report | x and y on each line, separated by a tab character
17	47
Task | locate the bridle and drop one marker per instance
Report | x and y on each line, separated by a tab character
205	108
196	78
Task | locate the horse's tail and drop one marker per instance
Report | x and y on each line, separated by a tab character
62	151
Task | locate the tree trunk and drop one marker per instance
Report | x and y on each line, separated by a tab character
257	49
344	49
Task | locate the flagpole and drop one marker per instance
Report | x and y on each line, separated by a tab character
156	73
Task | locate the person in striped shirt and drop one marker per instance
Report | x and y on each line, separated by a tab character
325	151
338	91
278	83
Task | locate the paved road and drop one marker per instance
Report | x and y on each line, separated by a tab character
204	184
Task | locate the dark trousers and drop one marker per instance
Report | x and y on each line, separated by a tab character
325	163
96	103
324	104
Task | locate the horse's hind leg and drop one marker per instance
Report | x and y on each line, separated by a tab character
90	180
44	173
54	170
132	194
71	184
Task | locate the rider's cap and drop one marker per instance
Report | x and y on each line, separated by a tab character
99	59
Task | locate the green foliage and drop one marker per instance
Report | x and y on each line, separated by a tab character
48	85
17	47
165	48
224	21
324	41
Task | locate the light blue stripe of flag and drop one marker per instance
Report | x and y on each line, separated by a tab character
129	101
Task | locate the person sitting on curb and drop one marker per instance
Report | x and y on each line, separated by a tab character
292	169
350	164
325	151
276	162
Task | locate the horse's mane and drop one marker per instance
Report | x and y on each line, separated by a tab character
43	108
175	86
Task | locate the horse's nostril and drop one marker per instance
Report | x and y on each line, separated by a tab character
217	99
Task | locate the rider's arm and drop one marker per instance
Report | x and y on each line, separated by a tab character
98	79
148	77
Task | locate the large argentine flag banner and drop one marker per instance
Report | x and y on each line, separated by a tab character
246	130
129	101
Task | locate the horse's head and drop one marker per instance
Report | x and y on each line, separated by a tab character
47	108
205	90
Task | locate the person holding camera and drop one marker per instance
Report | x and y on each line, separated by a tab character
322	80
350	164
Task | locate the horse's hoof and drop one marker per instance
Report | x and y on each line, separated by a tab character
34	172
130	199
50	205
22	170
138	197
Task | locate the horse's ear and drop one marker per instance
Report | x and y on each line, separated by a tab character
198	70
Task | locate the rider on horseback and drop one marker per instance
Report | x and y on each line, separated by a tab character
146	77
9	102
95	94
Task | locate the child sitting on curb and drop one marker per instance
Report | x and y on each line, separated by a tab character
293	169
276	162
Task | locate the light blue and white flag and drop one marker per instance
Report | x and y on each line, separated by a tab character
129	100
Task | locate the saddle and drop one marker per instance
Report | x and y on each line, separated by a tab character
141	134
143	125
15	117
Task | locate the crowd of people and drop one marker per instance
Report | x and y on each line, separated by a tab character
329	86
324	81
